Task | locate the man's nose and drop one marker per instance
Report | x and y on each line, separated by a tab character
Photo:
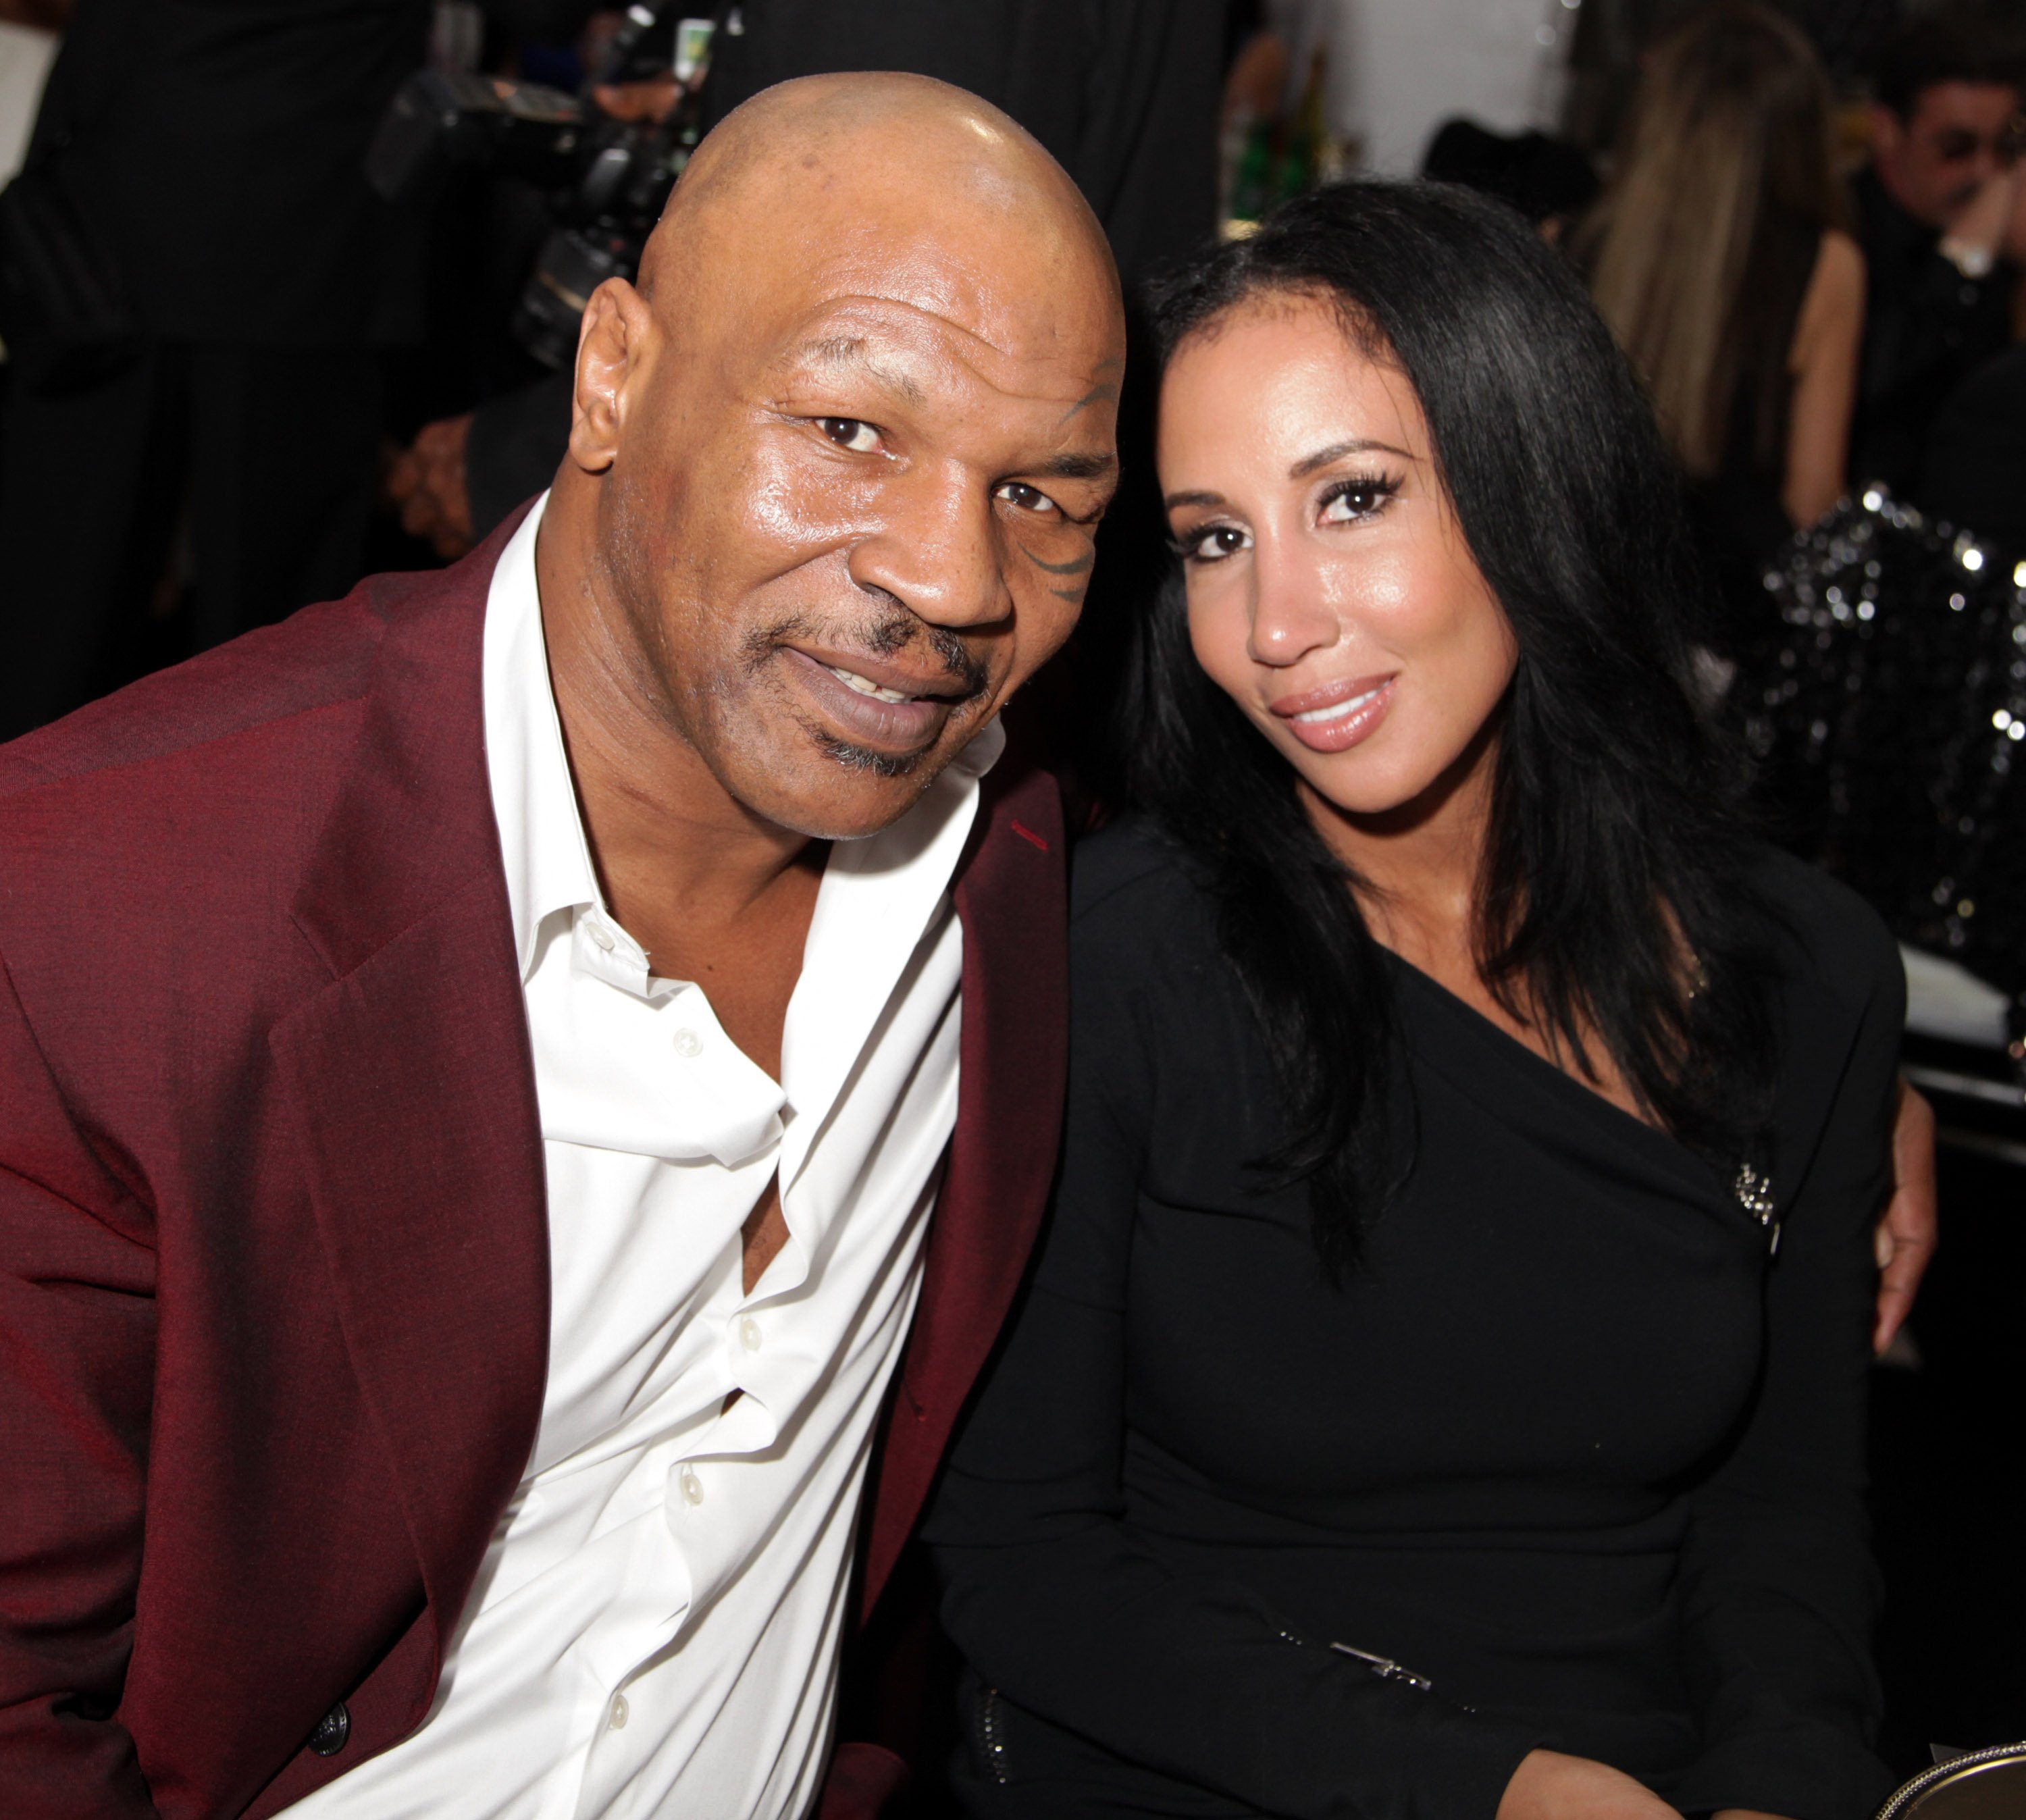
940	552
1289	616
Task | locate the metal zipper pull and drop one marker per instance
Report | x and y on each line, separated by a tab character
1386	1668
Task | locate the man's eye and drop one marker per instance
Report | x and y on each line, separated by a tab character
1212	544
1028	498
850	433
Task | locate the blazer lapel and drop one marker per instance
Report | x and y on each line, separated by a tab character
413	1086
1011	894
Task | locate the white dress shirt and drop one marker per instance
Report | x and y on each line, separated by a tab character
655	1629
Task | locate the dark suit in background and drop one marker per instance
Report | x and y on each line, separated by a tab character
1975	477
216	145
1927	327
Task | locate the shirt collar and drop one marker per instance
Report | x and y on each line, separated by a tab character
542	843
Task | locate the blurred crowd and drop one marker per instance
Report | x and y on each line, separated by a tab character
288	288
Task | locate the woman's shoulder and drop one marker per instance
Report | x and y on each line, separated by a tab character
1836	949
1134	893
1835	289
1127	864
1839	264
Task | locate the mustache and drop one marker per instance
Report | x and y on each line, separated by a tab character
894	631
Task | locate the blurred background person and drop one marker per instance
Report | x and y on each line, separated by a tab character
1942	223
1720	256
211	154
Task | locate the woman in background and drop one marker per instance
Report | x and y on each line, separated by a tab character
1441	1393
1719	254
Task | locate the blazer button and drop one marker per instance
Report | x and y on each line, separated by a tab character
332	1730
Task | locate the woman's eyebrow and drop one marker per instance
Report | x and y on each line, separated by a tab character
1175	499
1337	451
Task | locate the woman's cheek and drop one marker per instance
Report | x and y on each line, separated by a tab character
1218	631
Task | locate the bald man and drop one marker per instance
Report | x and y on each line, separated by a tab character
517	1085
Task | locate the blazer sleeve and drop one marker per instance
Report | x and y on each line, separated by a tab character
1047	1591
77	1343
1780	1594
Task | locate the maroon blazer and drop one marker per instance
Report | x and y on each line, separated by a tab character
273	1252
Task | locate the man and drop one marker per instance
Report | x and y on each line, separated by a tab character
477	1061
1942	218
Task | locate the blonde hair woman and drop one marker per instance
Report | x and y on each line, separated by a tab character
1718	256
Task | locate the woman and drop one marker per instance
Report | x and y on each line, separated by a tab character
1719	256
1446	1071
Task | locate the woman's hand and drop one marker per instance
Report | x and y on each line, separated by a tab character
1550	1786
1905	1240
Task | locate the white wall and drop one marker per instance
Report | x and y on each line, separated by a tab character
25	56
1398	68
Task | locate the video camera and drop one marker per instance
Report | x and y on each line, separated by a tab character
607	179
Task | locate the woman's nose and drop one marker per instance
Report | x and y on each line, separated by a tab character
1289	616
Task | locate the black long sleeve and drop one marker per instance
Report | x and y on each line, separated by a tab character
1781	1589
1567	1444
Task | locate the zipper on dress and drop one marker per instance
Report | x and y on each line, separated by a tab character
1384	1666
992	1737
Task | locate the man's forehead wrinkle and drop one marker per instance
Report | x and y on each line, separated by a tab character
911	326
844	351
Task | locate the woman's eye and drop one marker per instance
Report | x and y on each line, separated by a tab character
1350	500
850	433
1028	498
1212	544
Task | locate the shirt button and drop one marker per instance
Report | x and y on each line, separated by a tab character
688	1043
749	1334
602	936
617	1721
691	1486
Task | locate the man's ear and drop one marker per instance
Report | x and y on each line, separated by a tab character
612	342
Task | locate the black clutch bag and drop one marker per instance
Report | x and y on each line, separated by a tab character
1987	1785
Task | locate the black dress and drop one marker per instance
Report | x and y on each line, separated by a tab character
1571	1443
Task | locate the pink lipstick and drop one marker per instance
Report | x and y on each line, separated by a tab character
1338	715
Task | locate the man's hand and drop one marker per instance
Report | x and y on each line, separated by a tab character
1550	1786
654	99
1906	1236
1986	225
426	485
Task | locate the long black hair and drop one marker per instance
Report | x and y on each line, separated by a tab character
1615	905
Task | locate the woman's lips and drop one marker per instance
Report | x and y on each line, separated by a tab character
1339	715
877	712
